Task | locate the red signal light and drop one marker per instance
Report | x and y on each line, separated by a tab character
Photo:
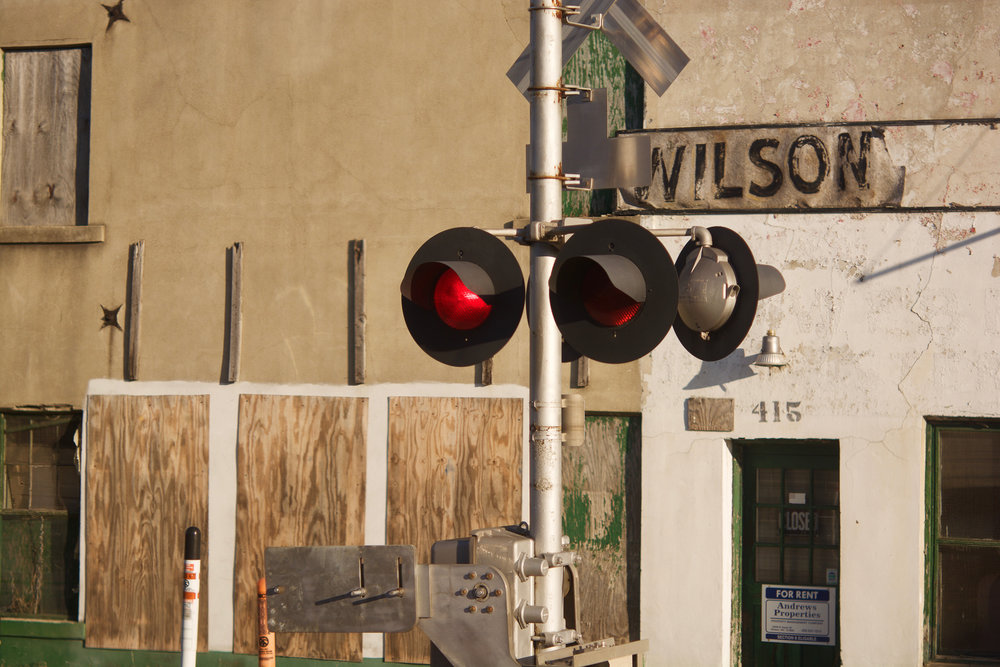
458	306
606	304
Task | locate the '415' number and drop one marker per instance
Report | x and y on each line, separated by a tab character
792	413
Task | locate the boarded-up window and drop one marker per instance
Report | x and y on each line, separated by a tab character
146	482
44	171
301	482
601	498
454	466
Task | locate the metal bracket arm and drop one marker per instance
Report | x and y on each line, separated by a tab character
562	558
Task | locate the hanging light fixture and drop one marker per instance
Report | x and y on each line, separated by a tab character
770	352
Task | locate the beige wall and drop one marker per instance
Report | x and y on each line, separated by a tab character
292	128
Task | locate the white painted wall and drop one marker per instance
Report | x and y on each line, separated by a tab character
869	360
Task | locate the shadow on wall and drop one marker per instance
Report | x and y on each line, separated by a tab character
717	373
975	238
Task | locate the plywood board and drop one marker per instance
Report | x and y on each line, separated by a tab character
301	482
601	498
454	466
146	482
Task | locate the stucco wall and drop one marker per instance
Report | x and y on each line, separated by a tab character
292	129
887	317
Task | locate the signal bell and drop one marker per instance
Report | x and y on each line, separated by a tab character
463	295
613	291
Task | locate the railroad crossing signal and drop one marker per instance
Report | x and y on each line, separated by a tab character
615	292
463	295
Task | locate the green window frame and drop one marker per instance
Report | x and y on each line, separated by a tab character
962	609
39	513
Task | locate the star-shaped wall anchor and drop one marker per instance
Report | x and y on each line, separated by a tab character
110	317
115	13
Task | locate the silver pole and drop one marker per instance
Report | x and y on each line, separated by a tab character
545	174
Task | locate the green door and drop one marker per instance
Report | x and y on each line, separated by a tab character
791	553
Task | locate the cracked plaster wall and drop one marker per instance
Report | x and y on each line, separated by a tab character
887	317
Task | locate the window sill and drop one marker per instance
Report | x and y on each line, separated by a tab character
51	234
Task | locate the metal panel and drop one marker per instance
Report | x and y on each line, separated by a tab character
471	615
622	162
341	589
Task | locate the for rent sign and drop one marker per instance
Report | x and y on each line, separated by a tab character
799	615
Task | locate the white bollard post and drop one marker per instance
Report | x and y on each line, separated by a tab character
192	587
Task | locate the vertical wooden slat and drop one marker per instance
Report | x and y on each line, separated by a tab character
301	482
234	313
358	316
454	466
147	481
42	136
484	372
580	373
133	305
601	500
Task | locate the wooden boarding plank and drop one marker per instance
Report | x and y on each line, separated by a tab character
710	414
133	310
45	136
601	498
301	482
147	481
359	319
454	466
234	313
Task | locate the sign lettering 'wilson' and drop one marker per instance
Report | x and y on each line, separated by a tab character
803	167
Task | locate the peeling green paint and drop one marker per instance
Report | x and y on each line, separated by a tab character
607	532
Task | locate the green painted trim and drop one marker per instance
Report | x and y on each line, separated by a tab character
930	529
40	629
66	652
932	540
736	622
3	476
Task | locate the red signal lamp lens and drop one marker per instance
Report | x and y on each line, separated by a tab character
606	304
458	306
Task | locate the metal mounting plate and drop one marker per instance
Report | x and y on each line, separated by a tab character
315	587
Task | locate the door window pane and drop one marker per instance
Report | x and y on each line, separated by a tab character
767	524
827	527
970	484
796	566
797	487
768	564
826	487
825	562
769	485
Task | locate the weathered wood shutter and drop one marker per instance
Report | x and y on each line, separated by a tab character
45	171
